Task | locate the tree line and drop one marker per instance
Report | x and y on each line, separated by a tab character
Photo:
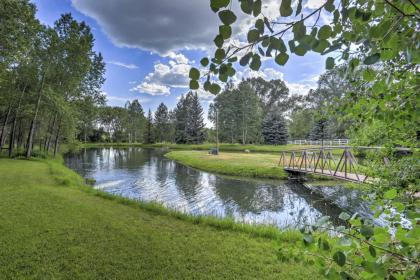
130	124
50	79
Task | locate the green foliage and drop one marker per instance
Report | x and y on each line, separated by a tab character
189	122
274	130
148	137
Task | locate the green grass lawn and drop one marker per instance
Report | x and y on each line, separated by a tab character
51	227
258	165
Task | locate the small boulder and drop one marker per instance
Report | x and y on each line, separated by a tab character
214	151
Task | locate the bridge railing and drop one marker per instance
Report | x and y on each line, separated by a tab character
335	161
326	142
324	161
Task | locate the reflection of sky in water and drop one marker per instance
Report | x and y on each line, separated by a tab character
146	175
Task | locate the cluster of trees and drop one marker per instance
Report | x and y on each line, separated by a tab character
50	79
184	124
245	113
260	111
319	115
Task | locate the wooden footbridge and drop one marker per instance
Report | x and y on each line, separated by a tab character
337	162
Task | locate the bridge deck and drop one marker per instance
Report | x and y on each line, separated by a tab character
353	177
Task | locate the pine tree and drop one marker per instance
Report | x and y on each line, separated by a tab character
148	135
189	122
180	113
320	130
195	121
161	125
274	130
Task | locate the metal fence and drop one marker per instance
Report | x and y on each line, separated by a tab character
326	142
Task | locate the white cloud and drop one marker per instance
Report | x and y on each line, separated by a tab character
152	89
178	57
125	65
174	74
265	73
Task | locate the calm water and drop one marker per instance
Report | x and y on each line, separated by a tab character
145	174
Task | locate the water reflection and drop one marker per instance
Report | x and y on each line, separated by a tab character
145	174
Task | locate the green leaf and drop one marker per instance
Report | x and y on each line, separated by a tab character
372	59
320	46
227	17
344	216
329	64
299	30
207	85
299	7
245	59
391	194
324	32
194	84
256	8
218	41
286	8
255	63
217	4
246	6
369	74
366	231
225	31
372	251
214	88
253	35
220	54
282	58
233	59
259	25
339	258
325	245
300	50
330	6
204	61
194	74
277	44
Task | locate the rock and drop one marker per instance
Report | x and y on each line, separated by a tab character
214	151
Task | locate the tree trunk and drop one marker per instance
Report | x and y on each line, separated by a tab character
3	130
51	133
57	137
32	128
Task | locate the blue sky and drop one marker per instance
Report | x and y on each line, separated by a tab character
149	46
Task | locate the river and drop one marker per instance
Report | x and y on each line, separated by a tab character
146	175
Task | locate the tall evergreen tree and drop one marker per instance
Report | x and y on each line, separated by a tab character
274	130
195	121
148	134
162	122
189	122
180	122
320	130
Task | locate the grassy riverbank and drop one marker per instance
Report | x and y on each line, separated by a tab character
257	165
51	226
203	147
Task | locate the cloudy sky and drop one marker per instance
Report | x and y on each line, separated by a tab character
149	46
